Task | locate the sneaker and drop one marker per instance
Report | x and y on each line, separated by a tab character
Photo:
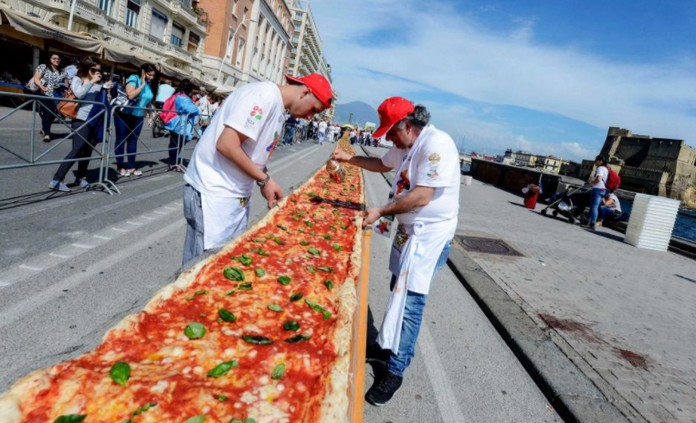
375	353
82	182
58	186
383	389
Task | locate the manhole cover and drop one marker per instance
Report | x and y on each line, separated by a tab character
487	245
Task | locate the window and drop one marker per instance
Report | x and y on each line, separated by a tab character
105	5
158	24
177	35
132	11
193	42
234	7
240	51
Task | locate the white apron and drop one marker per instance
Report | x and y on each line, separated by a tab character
224	218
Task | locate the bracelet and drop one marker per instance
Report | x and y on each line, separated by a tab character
263	182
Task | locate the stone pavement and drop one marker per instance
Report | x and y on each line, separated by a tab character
623	317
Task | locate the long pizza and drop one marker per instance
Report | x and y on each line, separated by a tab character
259	332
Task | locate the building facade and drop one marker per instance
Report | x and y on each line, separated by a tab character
168	33
249	40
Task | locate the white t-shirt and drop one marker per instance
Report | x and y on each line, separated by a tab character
322	127
604	173
433	161
255	110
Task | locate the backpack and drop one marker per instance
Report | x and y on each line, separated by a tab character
168	108
613	180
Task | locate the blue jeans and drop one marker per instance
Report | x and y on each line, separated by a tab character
596	199
128	129
413	316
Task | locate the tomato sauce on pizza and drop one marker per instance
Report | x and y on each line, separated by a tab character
256	334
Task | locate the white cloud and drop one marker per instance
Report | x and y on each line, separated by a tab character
444	50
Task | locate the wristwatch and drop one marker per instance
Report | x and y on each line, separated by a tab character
262	183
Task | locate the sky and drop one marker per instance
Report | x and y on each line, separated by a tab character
545	76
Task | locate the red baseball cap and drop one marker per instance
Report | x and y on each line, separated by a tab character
317	84
391	111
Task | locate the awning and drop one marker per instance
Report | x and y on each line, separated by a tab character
37	28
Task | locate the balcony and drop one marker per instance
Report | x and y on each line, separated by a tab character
150	45
84	10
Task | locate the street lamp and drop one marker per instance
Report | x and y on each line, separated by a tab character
230	42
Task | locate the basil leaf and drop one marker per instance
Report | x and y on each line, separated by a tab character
261	252
257	340
197	293
144	408
297	338
326	236
226	315
260	273
194	330
258	239
233	274
221	397
337	247
278	240
329	284
309	223
325	269
282	227
284	280
296	296
278	372
196	419
246	286
70	418
313	251
291	325
274	307
222	368
244	259
304	243
320	309
120	373
230	292
311	269
343	226
248	420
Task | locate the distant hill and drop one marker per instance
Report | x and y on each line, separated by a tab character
362	112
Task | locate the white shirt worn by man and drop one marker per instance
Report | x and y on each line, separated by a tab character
322	127
255	110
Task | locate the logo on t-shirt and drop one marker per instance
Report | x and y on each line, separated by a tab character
257	113
403	184
270	148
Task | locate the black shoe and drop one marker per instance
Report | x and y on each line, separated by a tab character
377	353
383	389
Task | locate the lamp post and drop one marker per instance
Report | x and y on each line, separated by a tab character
230	41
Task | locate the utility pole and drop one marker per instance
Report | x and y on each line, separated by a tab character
350	118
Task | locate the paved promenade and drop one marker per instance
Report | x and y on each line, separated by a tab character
622	319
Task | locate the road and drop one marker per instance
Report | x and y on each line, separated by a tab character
72	265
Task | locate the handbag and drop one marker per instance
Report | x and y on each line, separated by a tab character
121	100
68	109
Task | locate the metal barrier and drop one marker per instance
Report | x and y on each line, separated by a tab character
36	103
37	156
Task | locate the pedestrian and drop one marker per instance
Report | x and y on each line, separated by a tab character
321	131
599	189
425	201
87	128
128	121
609	208
290	124
203	110
46	80
164	91
181	125
232	155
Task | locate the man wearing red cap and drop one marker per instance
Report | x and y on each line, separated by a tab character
232	154
425	200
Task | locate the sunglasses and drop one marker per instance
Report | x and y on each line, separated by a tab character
95	69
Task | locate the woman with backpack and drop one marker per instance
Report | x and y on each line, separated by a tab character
87	127
180	125
46	80
599	189
128	121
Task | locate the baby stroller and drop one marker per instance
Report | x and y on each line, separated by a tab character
570	203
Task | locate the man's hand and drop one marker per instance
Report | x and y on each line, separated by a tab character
341	156
272	192
370	216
